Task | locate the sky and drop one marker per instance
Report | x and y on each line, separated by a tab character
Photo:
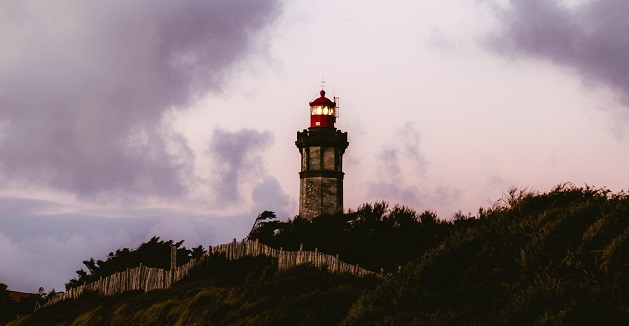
122	120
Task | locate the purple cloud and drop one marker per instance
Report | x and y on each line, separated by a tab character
590	38
405	147
402	168
84	88
236	155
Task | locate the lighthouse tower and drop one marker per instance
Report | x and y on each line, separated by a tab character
321	147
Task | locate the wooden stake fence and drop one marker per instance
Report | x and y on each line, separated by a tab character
147	279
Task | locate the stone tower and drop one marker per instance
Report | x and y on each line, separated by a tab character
321	147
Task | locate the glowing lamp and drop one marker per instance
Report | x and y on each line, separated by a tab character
323	112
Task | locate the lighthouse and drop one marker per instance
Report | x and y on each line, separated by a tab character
321	147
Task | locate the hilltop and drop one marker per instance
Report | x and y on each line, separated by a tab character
532	258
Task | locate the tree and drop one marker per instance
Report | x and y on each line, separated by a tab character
263	218
4	293
374	236
8	307
154	253
197	252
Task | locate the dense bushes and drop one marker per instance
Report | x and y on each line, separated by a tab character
553	258
374	236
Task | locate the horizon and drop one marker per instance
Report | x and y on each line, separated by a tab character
119	122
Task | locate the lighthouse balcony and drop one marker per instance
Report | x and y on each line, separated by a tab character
322	137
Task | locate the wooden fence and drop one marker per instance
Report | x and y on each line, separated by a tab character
147	279
285	259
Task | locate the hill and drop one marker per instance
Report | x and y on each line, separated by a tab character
248	291
533	258
14	303
558	258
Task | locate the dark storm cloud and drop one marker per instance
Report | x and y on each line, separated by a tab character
236	155
591	38
84	86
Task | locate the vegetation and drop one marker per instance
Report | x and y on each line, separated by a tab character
249	291
533	258
154	253
374	236
558	258
10	308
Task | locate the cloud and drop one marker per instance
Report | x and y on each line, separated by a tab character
51	260
84	87
403	176
47	250
39	248
176	229
269	195
19	207
409	139
50	240
590	37
399	162
236	155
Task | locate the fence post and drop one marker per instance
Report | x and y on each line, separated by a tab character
143	278
140	283
300	255
173	257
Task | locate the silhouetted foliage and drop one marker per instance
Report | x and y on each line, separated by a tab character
552	258
297	296
11	309
154	253
7	305
265	218
196	252
373	236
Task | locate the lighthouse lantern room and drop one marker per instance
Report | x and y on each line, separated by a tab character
321	147
323	112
